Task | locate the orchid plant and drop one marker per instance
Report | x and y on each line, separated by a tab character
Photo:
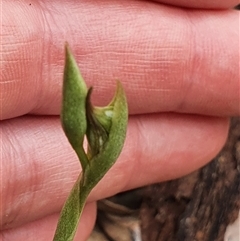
105	130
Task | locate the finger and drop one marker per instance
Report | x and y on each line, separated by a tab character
212	4
44	229
168	59
39	165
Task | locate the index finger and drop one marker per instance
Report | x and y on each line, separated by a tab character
169	59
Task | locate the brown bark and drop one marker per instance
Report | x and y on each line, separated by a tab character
197	207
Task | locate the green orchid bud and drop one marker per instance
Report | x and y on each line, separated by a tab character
104	115
112	147
96	133
105	129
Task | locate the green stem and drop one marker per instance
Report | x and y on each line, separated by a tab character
71	212
82	156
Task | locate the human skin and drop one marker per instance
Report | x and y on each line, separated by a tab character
180	71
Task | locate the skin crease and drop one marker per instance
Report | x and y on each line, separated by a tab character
168	59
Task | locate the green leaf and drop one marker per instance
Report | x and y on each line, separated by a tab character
105	129
73	113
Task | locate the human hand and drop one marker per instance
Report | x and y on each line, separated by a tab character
180	70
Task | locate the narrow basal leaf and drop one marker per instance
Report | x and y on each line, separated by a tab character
105	129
